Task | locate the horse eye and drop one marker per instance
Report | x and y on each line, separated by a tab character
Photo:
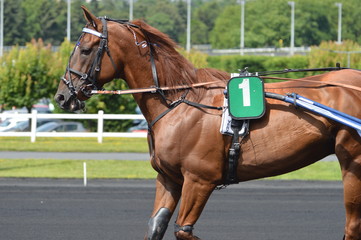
85	51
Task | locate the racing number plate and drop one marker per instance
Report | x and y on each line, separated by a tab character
246	97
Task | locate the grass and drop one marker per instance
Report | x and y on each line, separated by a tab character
53	168
55	144
325	171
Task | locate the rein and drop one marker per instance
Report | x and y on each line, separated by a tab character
312	81
150	89
262	75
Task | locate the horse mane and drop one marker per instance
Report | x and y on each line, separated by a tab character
174	69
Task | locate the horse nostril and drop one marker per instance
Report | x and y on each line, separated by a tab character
59	98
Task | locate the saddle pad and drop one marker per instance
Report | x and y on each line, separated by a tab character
227	120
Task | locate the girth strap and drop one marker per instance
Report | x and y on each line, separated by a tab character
235	149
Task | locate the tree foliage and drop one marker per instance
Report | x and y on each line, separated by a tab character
215	22
25	75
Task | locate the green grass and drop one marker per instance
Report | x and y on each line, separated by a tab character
55	144
51	168
329	171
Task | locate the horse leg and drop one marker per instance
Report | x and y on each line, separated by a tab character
166	199
352	198
195	194
349	155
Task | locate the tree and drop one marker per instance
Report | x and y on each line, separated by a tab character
163	15
24	75
225	33
77	19
204	20
44	19
314	22
114	8
13	23
351	20
265	24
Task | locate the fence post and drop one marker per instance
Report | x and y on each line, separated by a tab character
34	118
100	125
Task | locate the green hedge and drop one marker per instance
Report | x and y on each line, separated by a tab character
260	63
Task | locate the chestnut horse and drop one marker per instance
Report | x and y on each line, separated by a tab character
187	149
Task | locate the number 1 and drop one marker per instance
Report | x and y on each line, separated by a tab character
246	92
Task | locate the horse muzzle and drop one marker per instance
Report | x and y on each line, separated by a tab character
69	103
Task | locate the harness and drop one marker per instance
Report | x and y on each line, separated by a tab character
91	87
92	75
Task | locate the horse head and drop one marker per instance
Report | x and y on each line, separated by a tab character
134	51
90	64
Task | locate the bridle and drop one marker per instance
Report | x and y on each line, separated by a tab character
90	78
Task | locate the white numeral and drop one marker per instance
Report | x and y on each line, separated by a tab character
246	92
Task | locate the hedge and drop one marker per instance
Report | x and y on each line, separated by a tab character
260	63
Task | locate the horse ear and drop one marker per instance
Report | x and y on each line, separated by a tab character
91	18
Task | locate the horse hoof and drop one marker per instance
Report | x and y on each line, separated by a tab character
181	235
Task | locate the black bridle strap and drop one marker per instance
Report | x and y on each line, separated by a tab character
94	70
154	69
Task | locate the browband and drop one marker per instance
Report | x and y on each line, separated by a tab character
91	31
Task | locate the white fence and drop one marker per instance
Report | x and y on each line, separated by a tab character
100	117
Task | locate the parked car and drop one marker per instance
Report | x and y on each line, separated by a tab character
23	125
62	127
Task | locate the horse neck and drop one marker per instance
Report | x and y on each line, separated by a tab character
138	74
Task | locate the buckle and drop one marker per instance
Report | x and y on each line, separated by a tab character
156	89
84	76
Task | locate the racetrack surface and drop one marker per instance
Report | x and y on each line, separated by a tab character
51	209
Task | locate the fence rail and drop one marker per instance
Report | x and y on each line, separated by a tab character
100	117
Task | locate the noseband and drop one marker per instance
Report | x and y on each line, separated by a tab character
90	78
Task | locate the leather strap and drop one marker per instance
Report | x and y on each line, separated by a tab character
176	103
151	89
314	81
